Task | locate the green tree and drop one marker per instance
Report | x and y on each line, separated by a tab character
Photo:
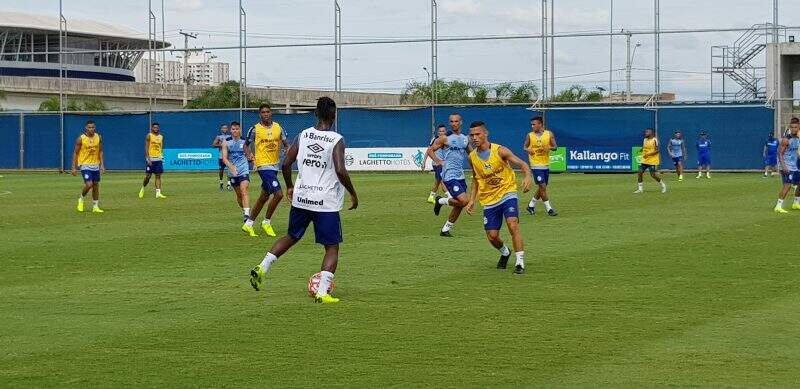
577	93
460	92
225	95
78	103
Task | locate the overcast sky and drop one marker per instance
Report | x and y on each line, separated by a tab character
685	58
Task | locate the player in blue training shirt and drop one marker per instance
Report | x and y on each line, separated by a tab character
771	155
456	146
441	130
677	150
787	158
217	144
235	155
703	155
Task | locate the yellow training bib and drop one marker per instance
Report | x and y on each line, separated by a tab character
156	149
649	146
494	176
90	150
268	144
541	149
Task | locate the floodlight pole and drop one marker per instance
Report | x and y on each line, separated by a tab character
62	35
434	60
611	49
152	57
552	48
544	50
337	46
657	70
186	36
242	60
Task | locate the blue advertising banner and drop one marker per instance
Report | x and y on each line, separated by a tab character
598	159
191	159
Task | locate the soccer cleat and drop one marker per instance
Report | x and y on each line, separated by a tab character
531	210
699	176
708	175
80	204
97	209
680	178
249	230
552	212
780	210
503	261
257	277
325	299
431	199
160	196
230	188
519	269
446	234
638	191
141	193
795	205
436	206
268	229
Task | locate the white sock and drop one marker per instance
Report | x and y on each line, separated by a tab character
520	258
448	195
447	226
158	191
266	221
325	280
780	203
532	204
547	205
797	199
641	186
444	201
708	174
504	250
95	203
248	222
246	211
267	261
663	185
433	194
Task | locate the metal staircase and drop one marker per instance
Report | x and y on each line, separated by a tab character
739	70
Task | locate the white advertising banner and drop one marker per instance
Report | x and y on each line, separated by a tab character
385	159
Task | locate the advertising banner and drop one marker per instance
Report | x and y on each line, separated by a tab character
558	160
599	159
191	159
385	159
636	152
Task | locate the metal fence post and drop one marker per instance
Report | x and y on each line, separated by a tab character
21	141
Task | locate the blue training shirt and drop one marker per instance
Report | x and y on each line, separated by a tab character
237	157
704	147
790	154
676	147
772	147
455	157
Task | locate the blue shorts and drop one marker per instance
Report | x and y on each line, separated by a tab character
221	164
643	167
155	167
677	160
771	160
791	178
236	181
90	175
327	225
493	217
456	187
541	176
437	171
269	181
703	160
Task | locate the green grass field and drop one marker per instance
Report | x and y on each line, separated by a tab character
698	287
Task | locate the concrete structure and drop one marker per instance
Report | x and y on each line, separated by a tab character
26	93
29	46
783	69
202	71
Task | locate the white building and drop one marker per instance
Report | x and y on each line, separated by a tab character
202	71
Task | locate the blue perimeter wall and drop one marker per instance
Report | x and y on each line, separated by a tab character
738	132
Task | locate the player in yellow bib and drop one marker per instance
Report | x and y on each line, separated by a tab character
494	184
88	156
154	157
267	138
651	158
538	144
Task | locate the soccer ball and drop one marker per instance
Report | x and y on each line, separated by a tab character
313	285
